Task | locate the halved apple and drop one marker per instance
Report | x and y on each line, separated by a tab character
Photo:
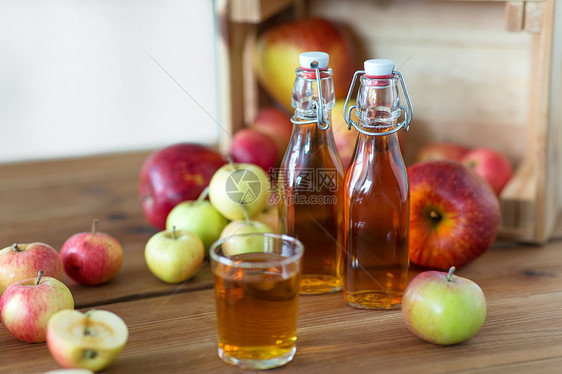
69	371
90	340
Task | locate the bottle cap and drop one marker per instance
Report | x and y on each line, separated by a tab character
306	58
379	67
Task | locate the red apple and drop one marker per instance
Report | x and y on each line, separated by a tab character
174	174
277	55
253	147
23	261
454	214
490	165
442	308
27	305
91	258
277	125
442	151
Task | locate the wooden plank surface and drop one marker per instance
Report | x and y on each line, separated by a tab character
51	200
172	327
523	329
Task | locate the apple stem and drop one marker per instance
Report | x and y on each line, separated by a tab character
245	211
16	248
94	225
450	274
39	276
231	162
203	195
174	232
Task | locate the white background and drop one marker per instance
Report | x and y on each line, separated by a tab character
77	77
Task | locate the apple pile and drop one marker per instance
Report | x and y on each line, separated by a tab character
238	203
490	164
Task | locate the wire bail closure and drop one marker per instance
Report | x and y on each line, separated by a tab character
320	119
407	112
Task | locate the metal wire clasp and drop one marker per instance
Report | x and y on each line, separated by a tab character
320	119
407	112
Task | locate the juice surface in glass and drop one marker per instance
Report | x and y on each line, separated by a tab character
256	303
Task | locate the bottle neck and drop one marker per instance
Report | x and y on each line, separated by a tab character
303	133
369	144
306	94
378	104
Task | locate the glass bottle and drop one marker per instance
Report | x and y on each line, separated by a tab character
377	197
310	179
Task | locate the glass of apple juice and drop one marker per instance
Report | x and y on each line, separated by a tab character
257	279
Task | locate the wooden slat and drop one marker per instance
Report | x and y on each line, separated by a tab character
534	17
514	15
545	129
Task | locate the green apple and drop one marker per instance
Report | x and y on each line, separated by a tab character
442	308
27	305
238	191
242	244
174	255
90	340
199	217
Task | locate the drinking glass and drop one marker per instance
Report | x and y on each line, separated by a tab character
257	279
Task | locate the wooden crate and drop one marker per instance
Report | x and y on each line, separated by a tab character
482	73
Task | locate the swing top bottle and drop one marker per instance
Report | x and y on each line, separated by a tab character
311	178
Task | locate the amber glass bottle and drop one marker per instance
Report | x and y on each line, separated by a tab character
310	181
376	196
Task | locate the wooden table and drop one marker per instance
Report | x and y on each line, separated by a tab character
172	327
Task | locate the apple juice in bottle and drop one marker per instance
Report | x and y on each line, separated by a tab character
377	194
310	179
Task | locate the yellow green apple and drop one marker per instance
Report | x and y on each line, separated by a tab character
239	190
238	243
199	217
173	255
443	308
